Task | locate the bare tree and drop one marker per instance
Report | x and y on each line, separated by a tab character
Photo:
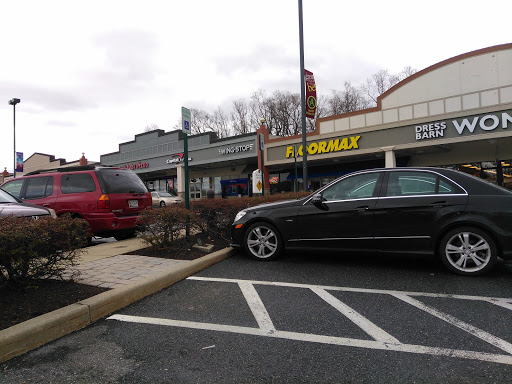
151	127
348	100
381	81
240	117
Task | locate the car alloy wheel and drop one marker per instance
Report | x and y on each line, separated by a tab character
262	241
162	203
468	251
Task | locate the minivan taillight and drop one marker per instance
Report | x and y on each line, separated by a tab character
104	202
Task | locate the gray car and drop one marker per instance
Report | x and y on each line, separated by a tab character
11	206
162	198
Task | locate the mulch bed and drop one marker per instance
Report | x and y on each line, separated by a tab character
43	296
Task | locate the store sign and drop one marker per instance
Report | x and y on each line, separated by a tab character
310	94
136	166
178	158
468	125
237	149
333	145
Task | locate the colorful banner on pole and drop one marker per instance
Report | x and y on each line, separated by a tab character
19	161
310	94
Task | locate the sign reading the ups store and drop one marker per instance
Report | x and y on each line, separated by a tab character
464	126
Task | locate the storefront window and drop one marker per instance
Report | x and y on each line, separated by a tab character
217	186
497	173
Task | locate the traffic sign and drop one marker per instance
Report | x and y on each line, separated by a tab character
186	120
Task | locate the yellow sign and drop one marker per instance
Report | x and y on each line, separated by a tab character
326	146
258	185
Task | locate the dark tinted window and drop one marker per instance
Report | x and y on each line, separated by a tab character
122	181
77	183
39	187
409	183
354	187
13	187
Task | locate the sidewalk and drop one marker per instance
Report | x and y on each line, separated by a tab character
130	278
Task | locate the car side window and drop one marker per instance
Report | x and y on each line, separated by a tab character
39	187
154	194
13	187
77	183
354	187
413	183
408	183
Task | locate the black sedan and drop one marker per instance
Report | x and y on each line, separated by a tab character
463	219
12	206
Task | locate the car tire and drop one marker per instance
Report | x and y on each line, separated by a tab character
468	251
125	235
162	204
262	241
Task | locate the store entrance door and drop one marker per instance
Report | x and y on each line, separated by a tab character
195	190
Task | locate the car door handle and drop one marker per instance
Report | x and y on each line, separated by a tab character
46	205
362	209
439	204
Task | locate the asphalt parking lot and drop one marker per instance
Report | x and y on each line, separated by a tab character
303	318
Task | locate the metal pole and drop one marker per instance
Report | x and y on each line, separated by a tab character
296	189
187	187
14	125
262	168
303	103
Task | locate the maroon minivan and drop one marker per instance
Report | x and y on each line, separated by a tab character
110	199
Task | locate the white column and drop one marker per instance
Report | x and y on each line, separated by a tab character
180	179
390	157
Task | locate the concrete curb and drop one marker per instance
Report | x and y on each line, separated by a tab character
40	330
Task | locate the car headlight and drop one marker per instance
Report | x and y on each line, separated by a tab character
239	215
52	213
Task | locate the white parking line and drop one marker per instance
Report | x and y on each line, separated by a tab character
369	344
362	322
493	300
485	336
257	307
383	340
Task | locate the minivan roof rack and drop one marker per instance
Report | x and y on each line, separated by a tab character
65	169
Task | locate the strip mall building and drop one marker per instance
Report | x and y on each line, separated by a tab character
457	113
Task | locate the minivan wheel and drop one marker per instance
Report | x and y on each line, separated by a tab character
262	241
468	251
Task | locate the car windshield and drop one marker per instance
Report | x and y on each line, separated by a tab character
6	197
165	194
122	181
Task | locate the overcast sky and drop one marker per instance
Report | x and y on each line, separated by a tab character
92	74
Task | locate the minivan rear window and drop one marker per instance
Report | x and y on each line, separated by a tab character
122	181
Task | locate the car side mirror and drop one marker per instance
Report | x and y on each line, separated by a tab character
318	201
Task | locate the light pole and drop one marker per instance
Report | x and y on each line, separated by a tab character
303	104
13	102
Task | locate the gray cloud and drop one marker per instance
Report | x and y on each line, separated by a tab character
46	98
128	65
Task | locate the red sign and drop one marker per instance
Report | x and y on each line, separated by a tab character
136	166
310	94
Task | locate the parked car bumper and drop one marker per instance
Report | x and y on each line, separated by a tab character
108	222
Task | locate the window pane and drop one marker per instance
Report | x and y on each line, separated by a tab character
122	181
354	187
411	183
444	187
36	188
13	187
77	183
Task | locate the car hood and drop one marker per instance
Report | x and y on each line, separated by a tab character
277	204
22	209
